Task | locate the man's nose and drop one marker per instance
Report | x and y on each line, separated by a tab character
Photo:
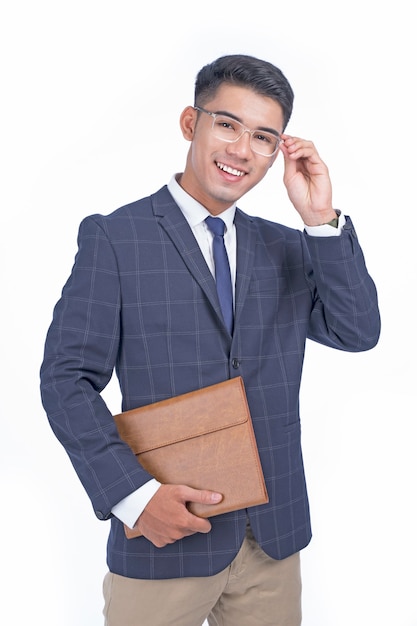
241	146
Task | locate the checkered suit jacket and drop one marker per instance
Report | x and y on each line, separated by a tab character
141	299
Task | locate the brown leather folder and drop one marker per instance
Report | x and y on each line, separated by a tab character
203	439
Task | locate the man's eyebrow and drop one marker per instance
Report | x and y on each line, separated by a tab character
266	129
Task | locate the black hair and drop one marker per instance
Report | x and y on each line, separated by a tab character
247	71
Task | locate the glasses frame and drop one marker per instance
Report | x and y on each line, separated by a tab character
245	129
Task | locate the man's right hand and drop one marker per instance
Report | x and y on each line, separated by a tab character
166	518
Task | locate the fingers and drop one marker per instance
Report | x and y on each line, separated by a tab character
166	518
200	496
297	148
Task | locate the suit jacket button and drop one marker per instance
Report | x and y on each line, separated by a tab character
100	515
235	363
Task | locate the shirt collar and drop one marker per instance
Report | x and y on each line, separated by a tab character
193	211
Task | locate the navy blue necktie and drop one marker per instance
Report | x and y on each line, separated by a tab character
222	269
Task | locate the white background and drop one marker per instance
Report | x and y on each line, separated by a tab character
91	95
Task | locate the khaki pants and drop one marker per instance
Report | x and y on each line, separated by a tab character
254	590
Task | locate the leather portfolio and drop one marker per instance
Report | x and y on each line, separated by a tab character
203	439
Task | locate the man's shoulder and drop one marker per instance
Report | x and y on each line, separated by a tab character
141	209
267	228
141	206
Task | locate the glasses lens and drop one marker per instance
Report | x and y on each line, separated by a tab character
264	143
228	129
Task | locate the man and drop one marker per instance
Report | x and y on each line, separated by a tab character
142	299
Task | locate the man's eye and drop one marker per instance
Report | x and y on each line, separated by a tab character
226	124
262	138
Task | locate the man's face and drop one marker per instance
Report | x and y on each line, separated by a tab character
218	173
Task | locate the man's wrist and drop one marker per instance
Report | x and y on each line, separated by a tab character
321	218
335	221
327	230
130	508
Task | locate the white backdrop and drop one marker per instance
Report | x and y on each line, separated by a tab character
91	95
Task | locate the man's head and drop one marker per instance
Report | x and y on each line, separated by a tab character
245	71
242	106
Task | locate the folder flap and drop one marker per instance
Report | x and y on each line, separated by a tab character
184	417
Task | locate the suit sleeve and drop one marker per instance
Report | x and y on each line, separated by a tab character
345	314
80	354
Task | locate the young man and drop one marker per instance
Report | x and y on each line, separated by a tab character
142	298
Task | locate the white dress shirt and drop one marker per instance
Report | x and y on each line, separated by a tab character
129	509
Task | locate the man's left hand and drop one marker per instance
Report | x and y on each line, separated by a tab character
307	180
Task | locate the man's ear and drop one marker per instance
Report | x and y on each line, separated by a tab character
188	120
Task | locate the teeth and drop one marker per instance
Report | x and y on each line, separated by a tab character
230	170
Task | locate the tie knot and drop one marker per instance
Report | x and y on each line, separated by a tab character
216	225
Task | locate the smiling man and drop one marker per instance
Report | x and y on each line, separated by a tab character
148	297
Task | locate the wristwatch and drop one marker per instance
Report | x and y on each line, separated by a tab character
335	221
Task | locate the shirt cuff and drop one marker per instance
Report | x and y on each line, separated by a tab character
129	509
325	230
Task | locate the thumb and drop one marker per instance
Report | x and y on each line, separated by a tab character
204	496
290	165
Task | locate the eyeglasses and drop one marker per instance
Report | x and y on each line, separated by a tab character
228	129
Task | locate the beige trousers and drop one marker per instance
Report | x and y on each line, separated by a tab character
254	590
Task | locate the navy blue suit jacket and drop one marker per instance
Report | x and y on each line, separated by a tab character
141	299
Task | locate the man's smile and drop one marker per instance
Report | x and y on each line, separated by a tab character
229	170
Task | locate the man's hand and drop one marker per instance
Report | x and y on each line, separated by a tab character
307	180
166	518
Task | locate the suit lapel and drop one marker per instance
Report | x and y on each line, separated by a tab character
246	243
175	225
